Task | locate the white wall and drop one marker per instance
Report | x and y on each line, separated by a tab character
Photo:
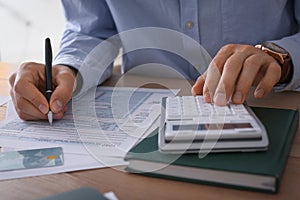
24	24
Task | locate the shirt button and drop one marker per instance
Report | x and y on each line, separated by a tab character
189	25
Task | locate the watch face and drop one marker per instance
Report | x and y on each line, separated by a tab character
274	47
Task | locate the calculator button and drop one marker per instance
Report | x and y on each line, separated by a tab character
194	108
222	110
238	109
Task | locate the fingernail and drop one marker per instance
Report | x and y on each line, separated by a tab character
57	106
259	93
220	99
207	97
237	97
43	109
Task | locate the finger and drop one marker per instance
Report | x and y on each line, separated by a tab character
60	115
27	117
28	81
64	80
249	72
271	78
229	77
30	92
12	79
26	110
214	72
197	88
30	114
211	82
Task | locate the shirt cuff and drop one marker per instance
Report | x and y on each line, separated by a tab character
89	75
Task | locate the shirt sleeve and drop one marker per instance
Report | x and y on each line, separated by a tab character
292	45
86	43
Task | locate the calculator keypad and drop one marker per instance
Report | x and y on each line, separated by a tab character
190	107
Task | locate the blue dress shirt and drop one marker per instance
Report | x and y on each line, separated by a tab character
212	23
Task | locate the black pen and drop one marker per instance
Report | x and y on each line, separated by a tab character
48	72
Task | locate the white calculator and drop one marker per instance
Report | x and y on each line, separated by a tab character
190	125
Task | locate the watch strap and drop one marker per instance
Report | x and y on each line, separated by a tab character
281	56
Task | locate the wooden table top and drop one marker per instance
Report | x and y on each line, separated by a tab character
131	186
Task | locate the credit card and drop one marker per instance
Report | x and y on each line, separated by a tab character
29	159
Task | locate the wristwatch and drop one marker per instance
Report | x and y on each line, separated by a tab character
281	56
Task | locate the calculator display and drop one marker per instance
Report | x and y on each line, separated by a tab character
213	126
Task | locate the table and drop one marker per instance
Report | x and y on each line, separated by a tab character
131	186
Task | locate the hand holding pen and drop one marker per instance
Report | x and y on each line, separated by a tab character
28	90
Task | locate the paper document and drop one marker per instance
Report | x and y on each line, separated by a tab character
96	131
4	99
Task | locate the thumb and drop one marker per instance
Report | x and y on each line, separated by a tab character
63	81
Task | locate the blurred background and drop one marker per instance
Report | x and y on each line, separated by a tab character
24	26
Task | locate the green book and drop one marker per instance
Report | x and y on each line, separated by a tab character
260	171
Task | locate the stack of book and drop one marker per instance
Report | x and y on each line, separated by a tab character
259	171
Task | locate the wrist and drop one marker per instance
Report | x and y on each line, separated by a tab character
70	68
282	57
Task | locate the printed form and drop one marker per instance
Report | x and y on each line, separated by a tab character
4	99
96	131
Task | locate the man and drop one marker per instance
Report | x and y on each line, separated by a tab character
228	30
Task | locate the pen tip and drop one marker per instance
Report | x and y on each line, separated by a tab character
50	117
